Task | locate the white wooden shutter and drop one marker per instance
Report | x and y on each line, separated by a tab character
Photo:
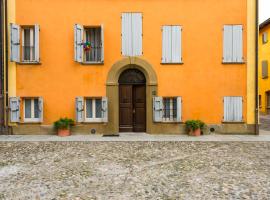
179	109
37	29
176	44
126	34
136	34
79	109
237	43
233	109
78	43
104	109
102	43
228	43
40	108
166	44
265	37
157	109
14	103
14	43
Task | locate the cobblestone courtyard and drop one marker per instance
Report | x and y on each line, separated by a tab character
134	170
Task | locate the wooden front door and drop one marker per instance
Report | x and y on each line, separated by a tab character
132	106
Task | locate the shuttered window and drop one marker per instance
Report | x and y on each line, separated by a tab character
93	39
264	37
233	44
33	110
91	109
167	109
171	44
264	69
29	45
233	109
131	34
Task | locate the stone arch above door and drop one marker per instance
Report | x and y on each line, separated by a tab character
131	62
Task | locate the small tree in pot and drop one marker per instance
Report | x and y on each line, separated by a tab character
63	126
194	127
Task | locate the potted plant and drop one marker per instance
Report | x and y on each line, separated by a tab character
63	126
194	127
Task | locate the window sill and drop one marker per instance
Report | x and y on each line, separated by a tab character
92	63
233	122
233	63
168	63
29	63
30	122
172	122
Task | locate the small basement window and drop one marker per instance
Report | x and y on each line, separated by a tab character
31	110
93	36
28	44
170	109
93	108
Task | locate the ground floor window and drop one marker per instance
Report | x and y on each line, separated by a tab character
31	110
170	108
93	108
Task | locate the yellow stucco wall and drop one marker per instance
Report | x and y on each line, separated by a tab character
264	54
202	80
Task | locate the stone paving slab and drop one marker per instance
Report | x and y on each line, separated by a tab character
265	136
134	170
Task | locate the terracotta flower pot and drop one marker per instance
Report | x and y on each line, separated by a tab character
197	132
63	132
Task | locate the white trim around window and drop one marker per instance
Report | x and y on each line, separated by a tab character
32	113
92	110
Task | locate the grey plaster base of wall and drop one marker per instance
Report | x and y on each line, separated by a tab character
161	128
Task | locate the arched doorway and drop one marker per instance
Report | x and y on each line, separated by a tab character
132	101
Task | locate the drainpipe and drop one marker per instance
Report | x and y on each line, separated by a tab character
6	70
257	131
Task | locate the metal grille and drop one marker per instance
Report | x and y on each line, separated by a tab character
170	109
93	36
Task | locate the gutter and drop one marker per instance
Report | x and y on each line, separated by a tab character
257	131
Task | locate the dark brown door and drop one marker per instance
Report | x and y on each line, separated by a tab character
139	108
125	108
132	115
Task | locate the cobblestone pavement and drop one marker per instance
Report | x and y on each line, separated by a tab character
134	170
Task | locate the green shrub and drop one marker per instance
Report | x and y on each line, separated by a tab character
193	125
63	123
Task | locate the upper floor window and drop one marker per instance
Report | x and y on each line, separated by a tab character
264	37
171	44
132	34
233	44
28	44
264	69
28	48
89	44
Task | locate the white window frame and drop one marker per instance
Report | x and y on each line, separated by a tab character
32	119
32	43
93	119
171	119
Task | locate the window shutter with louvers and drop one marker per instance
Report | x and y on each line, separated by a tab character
104	109
157	109
14	103
78	41
37	29
14	43
79	109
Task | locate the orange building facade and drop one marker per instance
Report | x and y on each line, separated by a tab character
132	66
